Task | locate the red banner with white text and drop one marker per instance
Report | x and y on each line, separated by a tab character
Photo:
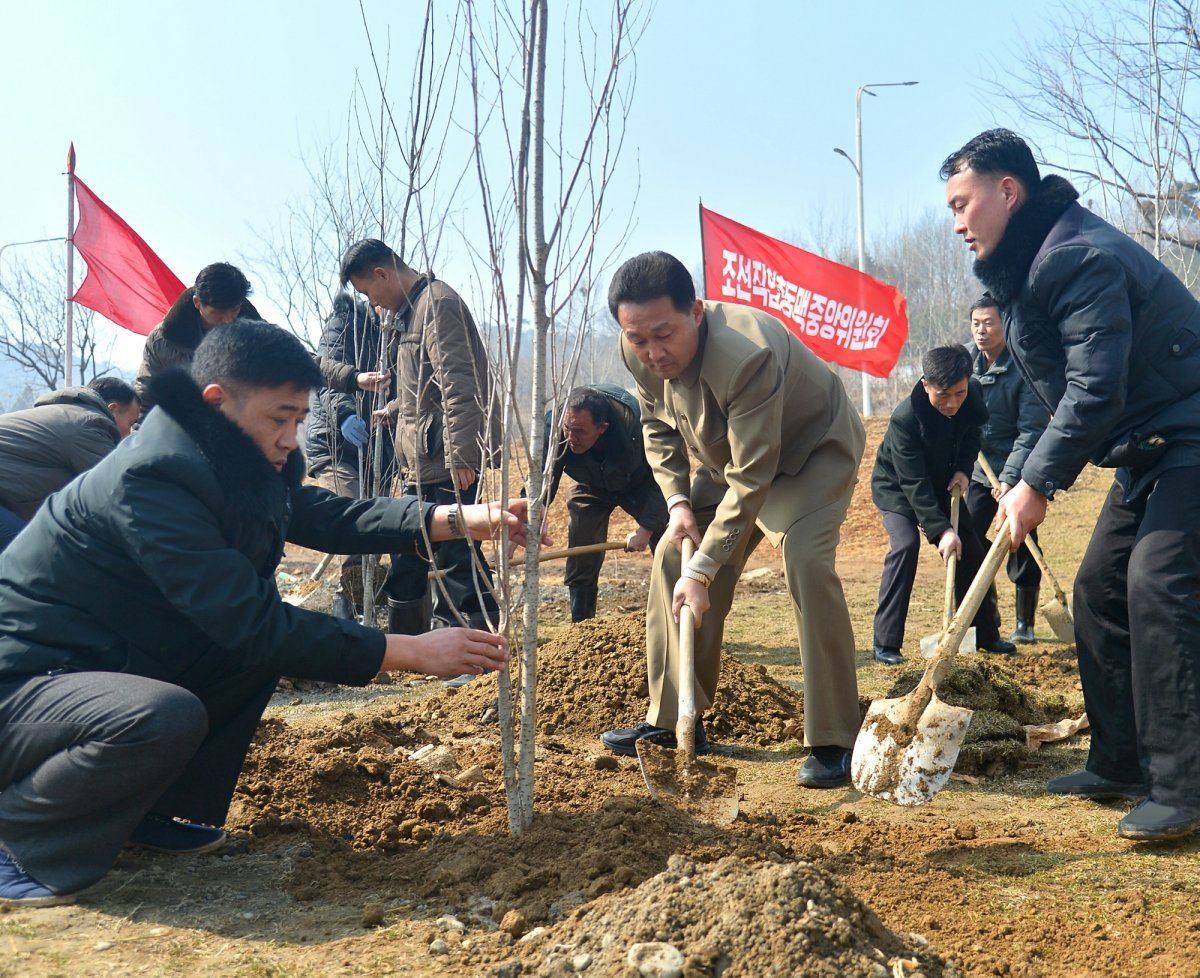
843	315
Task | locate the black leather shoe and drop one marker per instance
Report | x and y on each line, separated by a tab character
826	767
1085	784
625	741
887	655
1151	821
1000	646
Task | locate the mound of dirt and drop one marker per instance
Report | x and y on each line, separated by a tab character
355	785
995	739
734	918
593	678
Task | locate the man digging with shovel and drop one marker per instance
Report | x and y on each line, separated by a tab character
779	445
1109	339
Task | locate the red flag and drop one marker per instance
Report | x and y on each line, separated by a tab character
841	314
126	281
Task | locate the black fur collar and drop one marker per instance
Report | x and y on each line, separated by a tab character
973	411
183	326
248	480
1005	272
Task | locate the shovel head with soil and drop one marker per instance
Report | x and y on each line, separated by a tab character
907	747
677	777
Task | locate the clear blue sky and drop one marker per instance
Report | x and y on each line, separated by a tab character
191	119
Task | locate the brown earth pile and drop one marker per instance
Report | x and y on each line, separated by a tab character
593	678
736	919
995	739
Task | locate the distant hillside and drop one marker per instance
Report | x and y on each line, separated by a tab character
20	388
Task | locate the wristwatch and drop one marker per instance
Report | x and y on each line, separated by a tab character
696	575
456	528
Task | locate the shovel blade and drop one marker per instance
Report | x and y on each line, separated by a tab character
697	788
929	644
1058	616
907	766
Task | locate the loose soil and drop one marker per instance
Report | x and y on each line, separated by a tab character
352	857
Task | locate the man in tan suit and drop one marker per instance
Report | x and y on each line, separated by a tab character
778	445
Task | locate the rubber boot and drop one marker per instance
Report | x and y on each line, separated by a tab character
408	617
1027	607
583	601
343	607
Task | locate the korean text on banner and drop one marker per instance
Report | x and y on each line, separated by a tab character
841	314
126	281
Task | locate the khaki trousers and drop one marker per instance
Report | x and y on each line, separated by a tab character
809	546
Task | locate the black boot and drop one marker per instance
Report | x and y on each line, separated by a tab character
1027	606
408	617
343	607
583	601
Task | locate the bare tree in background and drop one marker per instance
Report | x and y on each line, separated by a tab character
33	327
1113	82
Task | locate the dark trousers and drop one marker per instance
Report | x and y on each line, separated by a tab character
1137	635
1023	570
588	512
900	571
468	579
87	755
10	525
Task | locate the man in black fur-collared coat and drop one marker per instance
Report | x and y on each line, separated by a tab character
1109	339
218	297
141	632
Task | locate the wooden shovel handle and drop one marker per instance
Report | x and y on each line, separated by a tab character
943	656
952	563
686	680
586	548
1031	543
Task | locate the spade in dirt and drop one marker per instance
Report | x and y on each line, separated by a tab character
907	747
1056	611
677	777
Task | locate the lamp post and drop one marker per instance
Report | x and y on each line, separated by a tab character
857	163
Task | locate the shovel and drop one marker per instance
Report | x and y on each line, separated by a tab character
1055	610
586	548
929	642
907	746
676	777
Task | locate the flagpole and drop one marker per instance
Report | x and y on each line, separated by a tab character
69	344
703	256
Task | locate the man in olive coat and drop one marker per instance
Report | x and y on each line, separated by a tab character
778	445
446	421
141	631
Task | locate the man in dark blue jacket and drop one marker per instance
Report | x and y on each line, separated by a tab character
601	450
141	632
1109	339
929	448
1016	419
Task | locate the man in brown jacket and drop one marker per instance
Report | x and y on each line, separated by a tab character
217	299
778	445
445	422
65	432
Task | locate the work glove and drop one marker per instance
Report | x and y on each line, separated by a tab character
355	431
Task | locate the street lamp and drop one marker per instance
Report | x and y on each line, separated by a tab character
857	163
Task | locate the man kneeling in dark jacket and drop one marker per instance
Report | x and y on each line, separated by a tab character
141	631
